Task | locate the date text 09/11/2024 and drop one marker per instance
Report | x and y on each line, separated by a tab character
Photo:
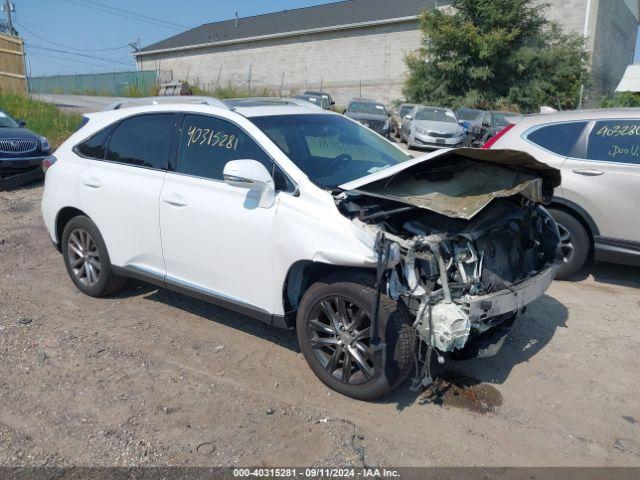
315	473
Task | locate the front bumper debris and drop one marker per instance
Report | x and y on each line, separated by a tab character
482	307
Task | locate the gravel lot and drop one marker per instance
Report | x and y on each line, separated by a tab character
151	377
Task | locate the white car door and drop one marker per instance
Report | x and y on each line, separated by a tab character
120	189
216	240
605	178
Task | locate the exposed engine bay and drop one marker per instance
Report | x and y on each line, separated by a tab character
463	240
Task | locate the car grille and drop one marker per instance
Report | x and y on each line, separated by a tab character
18	145
440	135
373	124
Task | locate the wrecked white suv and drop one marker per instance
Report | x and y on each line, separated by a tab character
306	219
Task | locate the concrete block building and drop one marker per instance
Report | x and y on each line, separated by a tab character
357	47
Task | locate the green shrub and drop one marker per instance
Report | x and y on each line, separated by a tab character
621	99
43	118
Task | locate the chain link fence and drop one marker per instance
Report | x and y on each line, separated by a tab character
117	84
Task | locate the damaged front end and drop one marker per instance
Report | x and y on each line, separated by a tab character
464	241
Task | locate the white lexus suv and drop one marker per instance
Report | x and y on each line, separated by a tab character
306	219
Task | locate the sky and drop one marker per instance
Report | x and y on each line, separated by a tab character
84	36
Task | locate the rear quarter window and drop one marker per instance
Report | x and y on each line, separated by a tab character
558	138
95	146
615	141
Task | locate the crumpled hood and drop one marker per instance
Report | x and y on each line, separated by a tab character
459	183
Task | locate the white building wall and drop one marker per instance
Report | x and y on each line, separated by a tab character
338	61
369	61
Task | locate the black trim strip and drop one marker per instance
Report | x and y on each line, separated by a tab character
278	321
613	250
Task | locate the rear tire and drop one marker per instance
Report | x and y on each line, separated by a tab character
87	259
328	343
575	241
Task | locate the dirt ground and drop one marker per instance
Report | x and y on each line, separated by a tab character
150	377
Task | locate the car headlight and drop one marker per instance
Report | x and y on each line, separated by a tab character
460	133
421	130
386	125
44	144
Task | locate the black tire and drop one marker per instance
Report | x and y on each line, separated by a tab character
106	282
388	368
579	240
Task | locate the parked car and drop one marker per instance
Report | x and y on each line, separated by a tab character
598	204
467	117
21	150
431	127
397	115
306	219
268	101
327	102
370	113
315	99
487	125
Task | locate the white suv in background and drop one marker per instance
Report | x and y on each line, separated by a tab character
304	218
598	204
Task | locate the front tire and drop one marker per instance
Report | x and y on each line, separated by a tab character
574	242
87	259
334	334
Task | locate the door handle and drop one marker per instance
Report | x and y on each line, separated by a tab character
587	172
91	182
175	200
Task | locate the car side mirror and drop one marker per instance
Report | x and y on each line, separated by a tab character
252	175
21	123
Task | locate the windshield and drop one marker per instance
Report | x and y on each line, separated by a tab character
7	122
468	114
405	110
500	119
330	149
435	115
367	107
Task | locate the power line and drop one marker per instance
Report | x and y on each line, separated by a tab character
40	47
126	14
22	26
70	62
129	12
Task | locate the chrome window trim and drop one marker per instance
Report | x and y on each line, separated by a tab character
590	124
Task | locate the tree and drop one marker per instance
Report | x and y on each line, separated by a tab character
496	54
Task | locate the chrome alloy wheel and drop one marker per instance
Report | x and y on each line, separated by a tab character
566	246
340	335
83	257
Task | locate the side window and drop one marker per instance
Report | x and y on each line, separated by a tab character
208	143
143	141
558	138
95	146
615	141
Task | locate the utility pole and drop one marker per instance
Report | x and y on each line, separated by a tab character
7	8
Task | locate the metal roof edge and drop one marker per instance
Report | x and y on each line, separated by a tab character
294	33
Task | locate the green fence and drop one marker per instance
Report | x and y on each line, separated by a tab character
108	84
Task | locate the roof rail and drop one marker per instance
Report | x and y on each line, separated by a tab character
139	102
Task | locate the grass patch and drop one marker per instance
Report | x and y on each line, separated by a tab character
42	118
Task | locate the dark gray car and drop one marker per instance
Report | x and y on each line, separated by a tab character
370	113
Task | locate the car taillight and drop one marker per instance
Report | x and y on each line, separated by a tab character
493	140
47	162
